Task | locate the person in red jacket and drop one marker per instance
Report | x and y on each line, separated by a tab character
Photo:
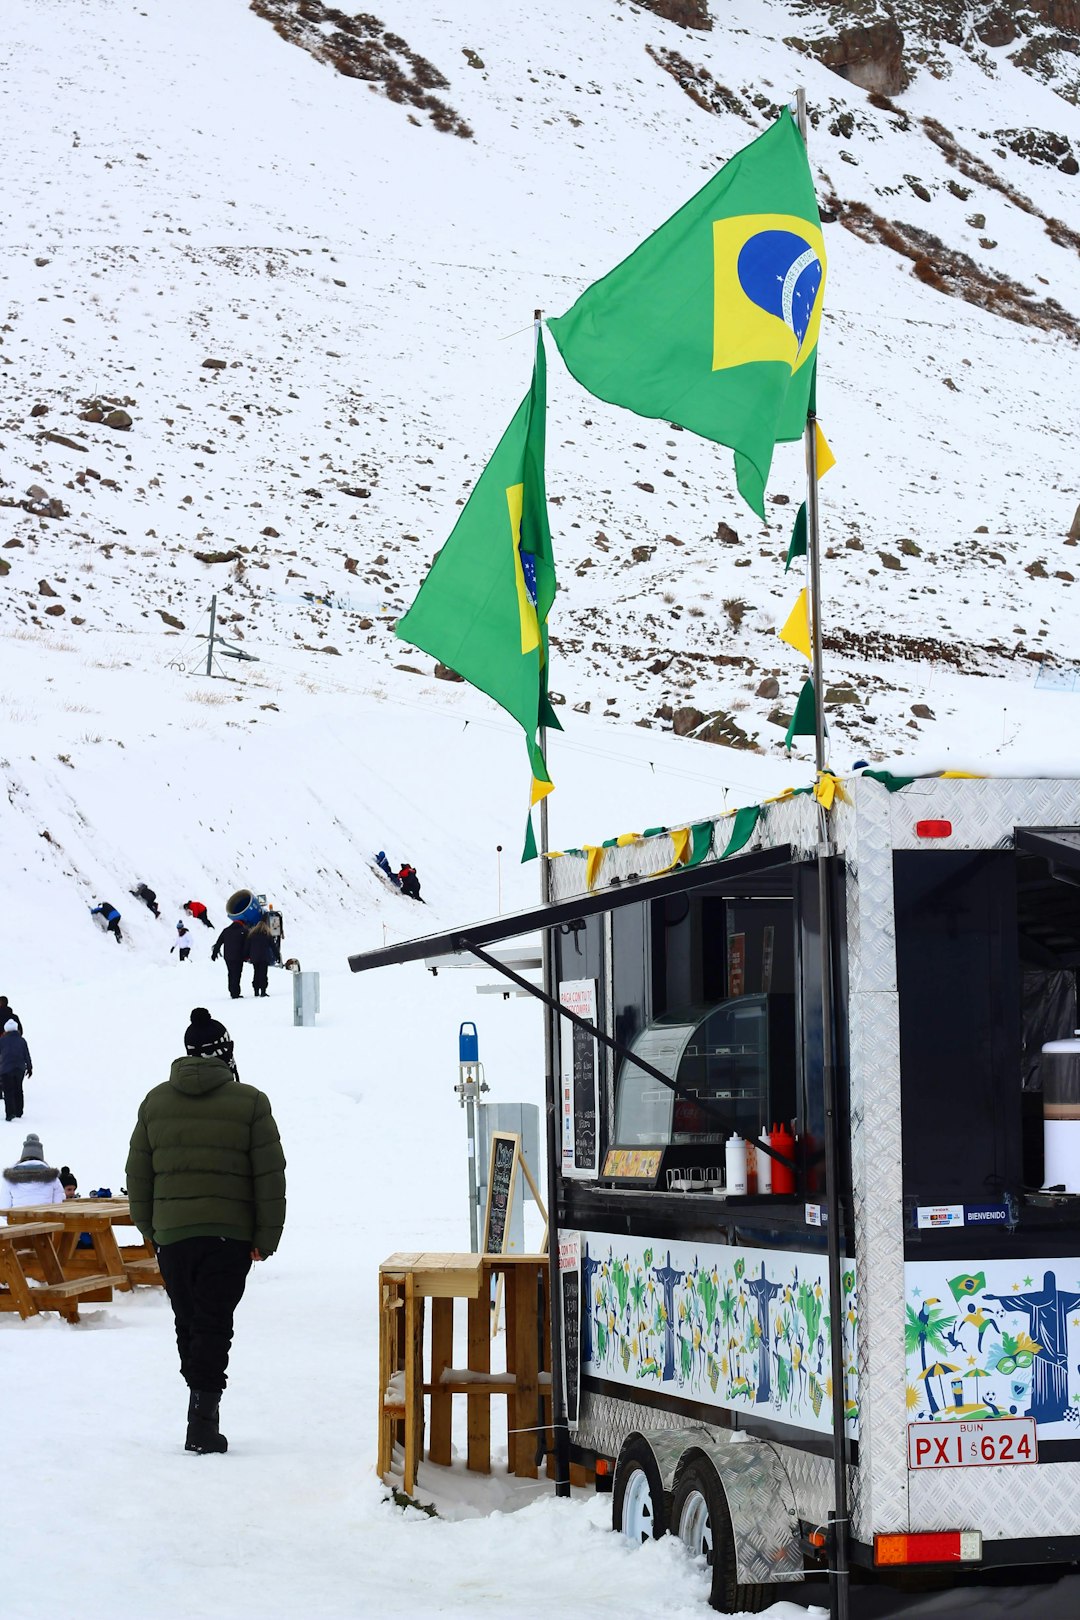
195	908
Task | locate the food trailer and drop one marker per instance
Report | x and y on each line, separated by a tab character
809	1068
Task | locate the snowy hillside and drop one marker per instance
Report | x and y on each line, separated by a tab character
363	283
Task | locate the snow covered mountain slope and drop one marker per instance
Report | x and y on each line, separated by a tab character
364	283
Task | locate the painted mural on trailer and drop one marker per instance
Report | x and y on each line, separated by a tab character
742	1329
1001	1339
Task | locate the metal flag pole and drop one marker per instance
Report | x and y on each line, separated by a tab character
834	1158
560	1431
210	643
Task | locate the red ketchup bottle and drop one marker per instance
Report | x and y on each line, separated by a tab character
783	1179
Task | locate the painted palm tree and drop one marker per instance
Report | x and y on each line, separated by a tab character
926	1327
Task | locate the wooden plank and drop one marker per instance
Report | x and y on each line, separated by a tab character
414	1386
20	1296
510	1294
17	1232
479	1405
526	1367
581	1476
382	1465
104	1244
442	1355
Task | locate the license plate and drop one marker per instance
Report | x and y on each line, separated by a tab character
972	1443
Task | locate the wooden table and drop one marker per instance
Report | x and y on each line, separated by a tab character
405	1282
28	1251
128	1264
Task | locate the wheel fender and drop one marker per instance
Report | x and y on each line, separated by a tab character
760	1500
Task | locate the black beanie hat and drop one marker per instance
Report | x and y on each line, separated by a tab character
206	1037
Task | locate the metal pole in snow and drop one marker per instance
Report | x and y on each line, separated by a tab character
834	1159
210	644
559	1427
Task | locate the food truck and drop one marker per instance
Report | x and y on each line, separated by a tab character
814	1097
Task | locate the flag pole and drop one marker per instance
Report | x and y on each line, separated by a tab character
560	1431
834	1158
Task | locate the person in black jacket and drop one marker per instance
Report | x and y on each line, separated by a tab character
7	1012
15	1067
260	952
148	897
232	942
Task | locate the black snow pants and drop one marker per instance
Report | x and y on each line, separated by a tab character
204	1278
234	970
260	973
11	1086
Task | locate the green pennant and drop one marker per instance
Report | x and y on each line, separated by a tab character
888	780
797	546
742	829
804	720
529	853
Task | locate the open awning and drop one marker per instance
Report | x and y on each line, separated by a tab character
1058	845
631	893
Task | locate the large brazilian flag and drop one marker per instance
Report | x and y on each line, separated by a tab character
712	323
483	607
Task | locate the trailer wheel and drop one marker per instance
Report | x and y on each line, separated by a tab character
700	1518
639	1508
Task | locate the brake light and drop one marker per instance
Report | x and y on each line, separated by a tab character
933	829
930	1547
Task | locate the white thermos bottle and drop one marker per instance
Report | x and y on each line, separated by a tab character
735	1165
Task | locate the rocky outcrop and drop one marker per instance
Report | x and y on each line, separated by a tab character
870	56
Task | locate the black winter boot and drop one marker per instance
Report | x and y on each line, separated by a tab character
203	1434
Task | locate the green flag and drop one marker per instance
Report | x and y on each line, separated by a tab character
963	1287
483	607
797	543
712	323
804	720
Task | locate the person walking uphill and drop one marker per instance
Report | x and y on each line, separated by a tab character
206	1184
15	1067
106	909
260	951
232	941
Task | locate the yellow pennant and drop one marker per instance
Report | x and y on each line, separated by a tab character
594	857
828	788
825	457
796	631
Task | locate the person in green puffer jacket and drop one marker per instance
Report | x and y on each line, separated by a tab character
206	1184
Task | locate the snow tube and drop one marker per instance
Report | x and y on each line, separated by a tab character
243	907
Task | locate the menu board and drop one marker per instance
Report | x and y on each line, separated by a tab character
570	1291
502	1173
579	1073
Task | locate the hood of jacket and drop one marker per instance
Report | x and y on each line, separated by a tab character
30	1170
197	1075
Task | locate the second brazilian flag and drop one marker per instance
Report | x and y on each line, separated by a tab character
712	323
483	607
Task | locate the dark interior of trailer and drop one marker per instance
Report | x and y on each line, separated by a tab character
719	987
988	948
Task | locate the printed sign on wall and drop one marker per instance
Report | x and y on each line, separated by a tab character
743	1329
570	1290
579	1076
994	1339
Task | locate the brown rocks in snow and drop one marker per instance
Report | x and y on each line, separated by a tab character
44	588
118	418
365	494
769	688
92	413
642	554
171	619
686	720
443	672
1036	570
727	534
270	534
351	565
1074	526
922	711
871	57
217	557
648	488
841	694
56	610
213	365
40	410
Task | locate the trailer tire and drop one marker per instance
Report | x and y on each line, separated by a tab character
702	1522
639	1503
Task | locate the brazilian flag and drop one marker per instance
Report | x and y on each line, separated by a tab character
964	1287
483	607
712	322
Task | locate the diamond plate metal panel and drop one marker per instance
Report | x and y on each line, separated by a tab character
1037	1499
879	1484
983	813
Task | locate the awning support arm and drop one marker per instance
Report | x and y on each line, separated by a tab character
620	1050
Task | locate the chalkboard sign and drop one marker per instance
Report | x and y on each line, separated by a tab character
584	1100
579	1073
502	1175
570	1291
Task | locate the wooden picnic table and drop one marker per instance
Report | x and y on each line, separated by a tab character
128	1263
28	1252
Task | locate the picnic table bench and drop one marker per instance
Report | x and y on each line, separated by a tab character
27	1253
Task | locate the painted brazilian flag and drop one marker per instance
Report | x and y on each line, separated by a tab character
713	321
963	1287
483	607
